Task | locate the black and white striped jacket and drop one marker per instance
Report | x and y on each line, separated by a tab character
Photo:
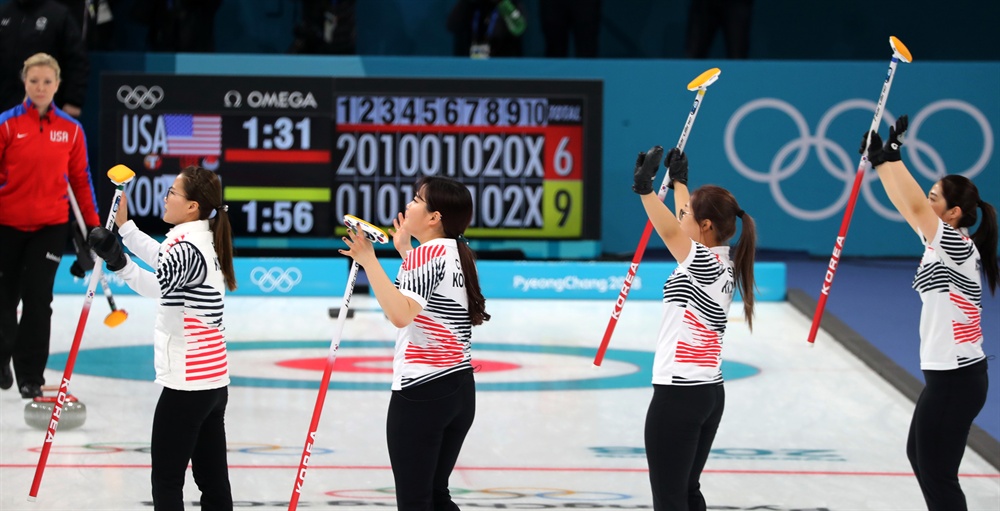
951	290
189	337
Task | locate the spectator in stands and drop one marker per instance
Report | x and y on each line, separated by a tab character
708	17
28	27
562	18
487	28
178	25
327	27
96	22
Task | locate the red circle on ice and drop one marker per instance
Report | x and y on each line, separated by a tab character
379	364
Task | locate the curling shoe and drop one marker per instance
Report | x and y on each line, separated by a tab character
6	377
31	391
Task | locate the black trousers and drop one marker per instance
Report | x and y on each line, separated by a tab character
707	17
680	428
949	403
425	428
28	264
190	426
562	18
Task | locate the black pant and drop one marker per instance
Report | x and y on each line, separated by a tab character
425	428
949	403
560	18
190	426
680	427
28	264
707	17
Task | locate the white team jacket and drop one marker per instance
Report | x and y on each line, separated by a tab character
189	338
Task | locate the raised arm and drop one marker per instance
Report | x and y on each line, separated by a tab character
663	220
903	190
677	168
140	243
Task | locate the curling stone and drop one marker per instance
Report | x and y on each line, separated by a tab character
38	412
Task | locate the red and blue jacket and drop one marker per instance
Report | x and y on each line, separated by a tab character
39	155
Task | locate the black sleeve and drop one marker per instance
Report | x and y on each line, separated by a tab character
74	64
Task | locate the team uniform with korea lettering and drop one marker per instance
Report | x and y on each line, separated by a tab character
189	341
190	358
696	300
956	381
433	402
950	288
438	342
688	393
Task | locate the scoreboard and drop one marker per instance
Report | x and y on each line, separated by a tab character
297	154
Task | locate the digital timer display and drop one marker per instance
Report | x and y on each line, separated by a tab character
294	162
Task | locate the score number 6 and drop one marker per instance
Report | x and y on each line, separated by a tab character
562	160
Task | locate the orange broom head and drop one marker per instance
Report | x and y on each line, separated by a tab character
705	79
116	318
120	174
900	50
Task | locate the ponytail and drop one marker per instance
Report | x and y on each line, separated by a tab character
985	239
711	202
960	191
205	188
453	200
477	303
743	262
222	232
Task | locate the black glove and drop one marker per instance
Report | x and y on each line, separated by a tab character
879	154
77	269
645	170
677	166
891	149
875	154
105	244
84	262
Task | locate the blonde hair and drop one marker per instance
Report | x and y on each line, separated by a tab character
40	59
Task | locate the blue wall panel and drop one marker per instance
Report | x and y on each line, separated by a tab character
782	136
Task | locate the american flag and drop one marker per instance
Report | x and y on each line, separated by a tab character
196	135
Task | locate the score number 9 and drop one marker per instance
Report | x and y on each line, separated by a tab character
564	205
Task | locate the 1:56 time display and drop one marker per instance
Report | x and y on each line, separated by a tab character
280	217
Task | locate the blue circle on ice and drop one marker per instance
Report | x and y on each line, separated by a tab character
136	363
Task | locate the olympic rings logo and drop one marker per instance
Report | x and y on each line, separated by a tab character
275	278
493	494
784	164
140	96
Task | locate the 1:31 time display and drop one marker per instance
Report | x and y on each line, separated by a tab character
284	133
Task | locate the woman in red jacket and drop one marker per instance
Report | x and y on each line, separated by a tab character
41	150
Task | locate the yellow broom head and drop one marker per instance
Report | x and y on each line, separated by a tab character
705	79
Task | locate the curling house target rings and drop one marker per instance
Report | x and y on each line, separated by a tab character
135	363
